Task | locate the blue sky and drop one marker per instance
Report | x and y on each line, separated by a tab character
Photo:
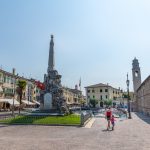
94	39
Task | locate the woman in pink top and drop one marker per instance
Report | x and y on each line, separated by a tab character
108	117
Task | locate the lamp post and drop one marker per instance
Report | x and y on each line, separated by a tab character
14	93
129	111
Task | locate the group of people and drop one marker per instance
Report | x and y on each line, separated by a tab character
110	119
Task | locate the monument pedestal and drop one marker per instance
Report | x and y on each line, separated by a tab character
47	102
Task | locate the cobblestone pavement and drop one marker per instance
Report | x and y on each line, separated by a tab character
131	134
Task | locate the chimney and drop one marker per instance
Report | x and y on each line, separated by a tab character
13	71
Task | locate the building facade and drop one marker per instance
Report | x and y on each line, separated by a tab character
141	101
143	97
73	96
31	95
8	85
102	92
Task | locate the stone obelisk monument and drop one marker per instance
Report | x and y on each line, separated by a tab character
52	97
51	55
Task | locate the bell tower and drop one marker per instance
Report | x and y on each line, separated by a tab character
136	73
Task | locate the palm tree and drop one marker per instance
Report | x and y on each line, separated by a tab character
21	87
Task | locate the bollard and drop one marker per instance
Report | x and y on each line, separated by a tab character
82	119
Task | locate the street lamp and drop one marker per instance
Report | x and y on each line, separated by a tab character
14	93
129	111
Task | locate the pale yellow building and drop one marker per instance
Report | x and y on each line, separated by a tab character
73	96
102	92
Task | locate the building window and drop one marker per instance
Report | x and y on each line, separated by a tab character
101	97
113	92
93	91
106	90
93	96
88	96
101	90
136	74
88	91
68	100
5	79
106	96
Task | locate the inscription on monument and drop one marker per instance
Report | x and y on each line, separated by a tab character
48	101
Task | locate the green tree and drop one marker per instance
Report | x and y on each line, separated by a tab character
93	102
126	96
82	101
21	85
108	102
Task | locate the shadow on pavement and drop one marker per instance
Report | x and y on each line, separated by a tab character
3	126
105	130
143	117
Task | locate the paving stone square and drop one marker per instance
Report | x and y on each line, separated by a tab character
131	134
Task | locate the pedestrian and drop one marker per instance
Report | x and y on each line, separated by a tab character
108	117
113	121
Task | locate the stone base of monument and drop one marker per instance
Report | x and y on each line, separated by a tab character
47	102
51	112
46	106
40	113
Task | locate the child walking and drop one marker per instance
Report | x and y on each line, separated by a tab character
113	121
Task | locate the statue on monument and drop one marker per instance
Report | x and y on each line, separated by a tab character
52	97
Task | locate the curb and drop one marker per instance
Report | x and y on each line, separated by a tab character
21	124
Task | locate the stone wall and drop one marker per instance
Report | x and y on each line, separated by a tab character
143	97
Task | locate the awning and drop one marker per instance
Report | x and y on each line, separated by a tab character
27	102
36	102
10	101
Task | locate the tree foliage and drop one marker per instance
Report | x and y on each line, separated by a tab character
82	101
93	102
21	85
108	102
126	96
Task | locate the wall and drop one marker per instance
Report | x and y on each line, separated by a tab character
143	97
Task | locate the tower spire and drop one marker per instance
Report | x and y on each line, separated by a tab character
51	55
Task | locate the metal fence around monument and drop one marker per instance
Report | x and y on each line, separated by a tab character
85	117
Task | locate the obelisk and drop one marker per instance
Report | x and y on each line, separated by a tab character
51	55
